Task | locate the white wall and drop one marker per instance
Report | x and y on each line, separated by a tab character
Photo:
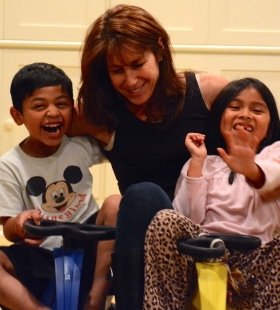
234	38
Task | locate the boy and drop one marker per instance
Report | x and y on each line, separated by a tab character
45	176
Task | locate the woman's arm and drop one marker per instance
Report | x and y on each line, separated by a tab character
210	86
80	126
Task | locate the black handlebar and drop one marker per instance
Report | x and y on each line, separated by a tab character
73	230
199	247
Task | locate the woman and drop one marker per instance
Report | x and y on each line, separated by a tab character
139	108
130	87
208	194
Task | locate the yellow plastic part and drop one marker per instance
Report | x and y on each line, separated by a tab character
212	286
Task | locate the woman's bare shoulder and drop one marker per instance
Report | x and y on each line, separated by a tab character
210	86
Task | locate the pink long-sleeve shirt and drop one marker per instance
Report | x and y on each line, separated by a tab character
238	208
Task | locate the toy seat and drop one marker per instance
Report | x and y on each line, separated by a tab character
212	275
79	249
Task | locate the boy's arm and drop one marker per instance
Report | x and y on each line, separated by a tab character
13	227
9	229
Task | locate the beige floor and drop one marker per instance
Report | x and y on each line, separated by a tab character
4	241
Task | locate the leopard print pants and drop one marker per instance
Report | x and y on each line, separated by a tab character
171	278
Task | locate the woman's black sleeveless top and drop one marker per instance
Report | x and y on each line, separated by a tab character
142	153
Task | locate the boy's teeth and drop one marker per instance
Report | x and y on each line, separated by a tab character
52	128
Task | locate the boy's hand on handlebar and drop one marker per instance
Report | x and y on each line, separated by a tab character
33	241
21	218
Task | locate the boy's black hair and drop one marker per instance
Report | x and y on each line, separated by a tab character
34	76
232	90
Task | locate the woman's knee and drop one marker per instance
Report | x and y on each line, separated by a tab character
139	205
145	189
144	199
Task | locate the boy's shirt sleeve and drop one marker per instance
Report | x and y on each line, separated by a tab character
92	150
11	202
98	155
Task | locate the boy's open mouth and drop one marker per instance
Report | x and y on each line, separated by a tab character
52	128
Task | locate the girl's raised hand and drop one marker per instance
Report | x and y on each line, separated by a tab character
241	149
195	145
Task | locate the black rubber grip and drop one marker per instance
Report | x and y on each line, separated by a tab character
74	230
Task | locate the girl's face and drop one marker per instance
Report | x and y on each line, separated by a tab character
136	78
249	111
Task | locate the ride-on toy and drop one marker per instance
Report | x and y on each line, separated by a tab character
74	261
212	272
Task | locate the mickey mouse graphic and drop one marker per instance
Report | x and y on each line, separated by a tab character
57	196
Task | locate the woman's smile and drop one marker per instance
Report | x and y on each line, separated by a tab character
135	77
134	91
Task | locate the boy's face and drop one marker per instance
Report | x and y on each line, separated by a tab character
46	114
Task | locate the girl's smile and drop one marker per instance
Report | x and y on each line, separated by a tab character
249	112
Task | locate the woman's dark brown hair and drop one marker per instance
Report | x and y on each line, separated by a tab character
119	31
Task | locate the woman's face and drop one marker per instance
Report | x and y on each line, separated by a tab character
248	111
135	78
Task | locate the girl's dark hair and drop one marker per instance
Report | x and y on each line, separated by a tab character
34	76
120	31
231	91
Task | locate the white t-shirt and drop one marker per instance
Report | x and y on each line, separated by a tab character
58	186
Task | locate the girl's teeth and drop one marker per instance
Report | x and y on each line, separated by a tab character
247	128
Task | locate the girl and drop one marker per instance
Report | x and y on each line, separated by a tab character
236	192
